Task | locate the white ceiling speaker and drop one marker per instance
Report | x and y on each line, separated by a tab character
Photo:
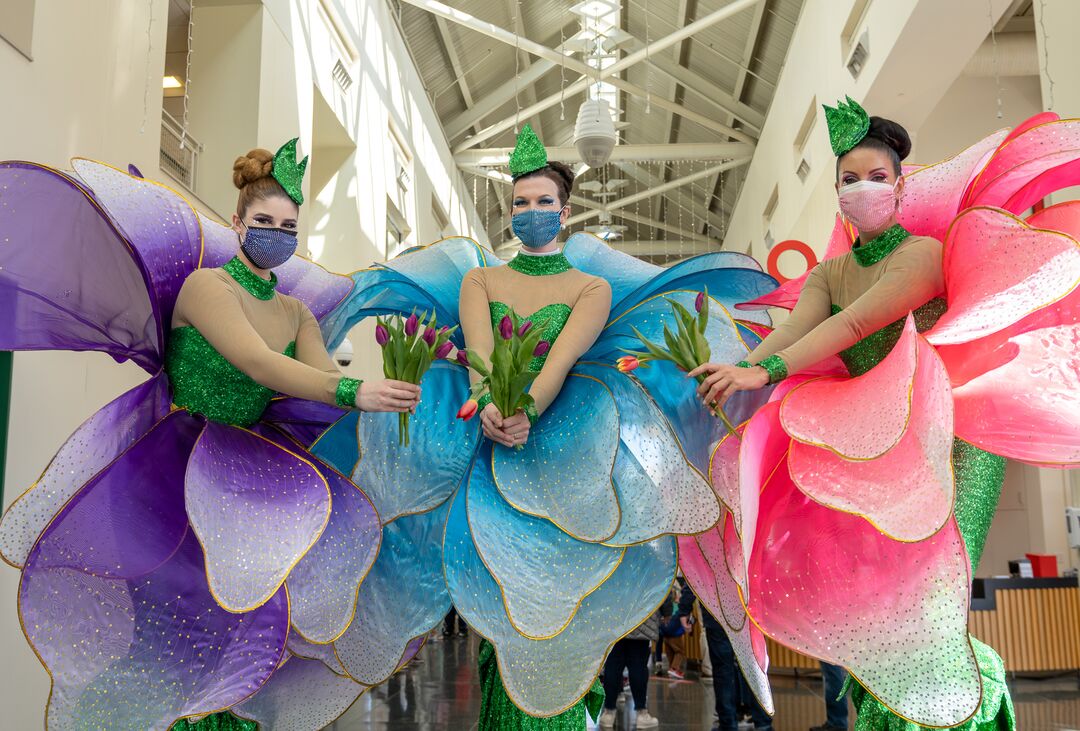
594	133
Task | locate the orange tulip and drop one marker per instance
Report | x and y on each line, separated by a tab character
467	410
627	363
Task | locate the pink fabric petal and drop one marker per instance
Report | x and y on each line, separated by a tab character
1025	157
907	492
764	446
724	474
985	297
933	194
858	418
718	593
831	586
1064	217
256	508
1028	408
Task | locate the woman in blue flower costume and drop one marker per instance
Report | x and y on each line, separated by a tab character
184	554
554	535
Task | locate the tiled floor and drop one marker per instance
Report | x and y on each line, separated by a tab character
442	693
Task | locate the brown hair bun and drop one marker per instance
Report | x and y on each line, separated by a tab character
251	167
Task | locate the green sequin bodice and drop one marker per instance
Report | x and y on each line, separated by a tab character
553	318
204	382
871	350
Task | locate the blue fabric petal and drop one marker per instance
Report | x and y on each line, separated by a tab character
674	393
403	596
404	480
545	677
563	473
659	491
623	272
543	572
424	279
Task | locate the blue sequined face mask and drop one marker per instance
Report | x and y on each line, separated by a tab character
536	228
267	247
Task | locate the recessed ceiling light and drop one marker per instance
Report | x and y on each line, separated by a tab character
171	82
595	8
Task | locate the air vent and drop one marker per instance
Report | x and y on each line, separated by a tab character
342	76
858	57
804	169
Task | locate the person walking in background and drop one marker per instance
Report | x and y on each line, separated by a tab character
632	654
836	707
728	682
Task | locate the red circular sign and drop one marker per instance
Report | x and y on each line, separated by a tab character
790	245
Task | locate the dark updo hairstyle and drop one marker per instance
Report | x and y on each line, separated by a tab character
252	175
887	136
558	173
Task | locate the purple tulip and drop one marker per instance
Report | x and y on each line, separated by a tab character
411	324
463	358
542	348
429	336
444	350
382	335
700	301
524	328
506	328
443	329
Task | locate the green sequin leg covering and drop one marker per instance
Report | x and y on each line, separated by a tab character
216	722
995	713
498	712
979	476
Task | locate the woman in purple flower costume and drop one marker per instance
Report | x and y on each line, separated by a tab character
184	554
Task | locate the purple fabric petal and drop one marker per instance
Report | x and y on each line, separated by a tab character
114	601
68	280
319	289
302	420
160	224
300	647
256	508
303	695
324	585
96	443
220	243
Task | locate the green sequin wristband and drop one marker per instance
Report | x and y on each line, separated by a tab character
775	366
530	411
346	392
743	364
483	401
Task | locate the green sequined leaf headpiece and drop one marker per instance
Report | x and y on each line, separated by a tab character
848	124
287	172
529	153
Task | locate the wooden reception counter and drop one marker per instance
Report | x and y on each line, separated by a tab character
1034	624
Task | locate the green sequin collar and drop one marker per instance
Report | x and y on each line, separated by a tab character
880	246
539	266
259	288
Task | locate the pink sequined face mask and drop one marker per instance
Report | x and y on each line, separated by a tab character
868	205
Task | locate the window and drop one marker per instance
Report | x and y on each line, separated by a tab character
442	221
397	229
17	25
802	138
854	22
402	158
770	207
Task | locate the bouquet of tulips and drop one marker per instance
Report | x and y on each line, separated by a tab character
687	347
508	377
408	348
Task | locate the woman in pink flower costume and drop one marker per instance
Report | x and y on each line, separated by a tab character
860	496
184	554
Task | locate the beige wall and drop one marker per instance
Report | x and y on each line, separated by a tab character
94	89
